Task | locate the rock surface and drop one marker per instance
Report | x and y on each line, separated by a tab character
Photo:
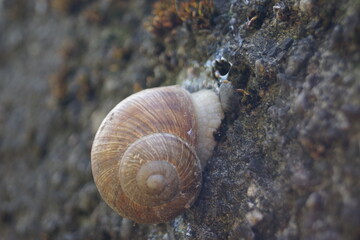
287	165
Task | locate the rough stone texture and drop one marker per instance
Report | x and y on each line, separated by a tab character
287	165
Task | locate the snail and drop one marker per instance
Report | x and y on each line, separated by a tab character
148	153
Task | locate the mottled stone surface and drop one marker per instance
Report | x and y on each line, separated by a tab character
287	165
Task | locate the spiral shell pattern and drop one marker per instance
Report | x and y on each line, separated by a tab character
144	159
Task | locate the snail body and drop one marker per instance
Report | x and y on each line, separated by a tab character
149	152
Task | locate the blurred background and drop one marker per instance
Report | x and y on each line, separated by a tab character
287	164
57	59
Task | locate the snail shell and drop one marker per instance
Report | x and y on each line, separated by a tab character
148	154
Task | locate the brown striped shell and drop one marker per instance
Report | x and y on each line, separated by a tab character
144	159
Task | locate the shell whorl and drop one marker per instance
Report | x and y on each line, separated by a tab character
160	165
144	150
